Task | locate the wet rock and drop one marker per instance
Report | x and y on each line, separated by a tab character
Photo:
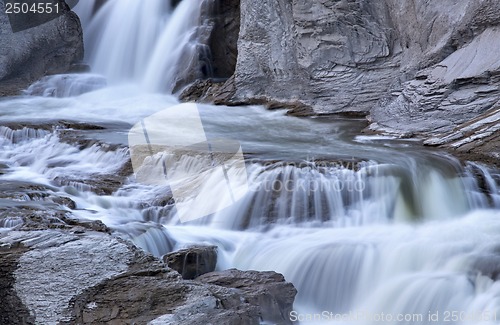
46	48
93	278
92	225
65	201
193	261
267	290
202	90
150	236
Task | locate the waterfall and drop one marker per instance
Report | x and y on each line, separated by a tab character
145	42
360	225
399	233
120	38
177	48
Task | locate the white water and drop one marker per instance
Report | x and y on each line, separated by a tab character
383	227
144	41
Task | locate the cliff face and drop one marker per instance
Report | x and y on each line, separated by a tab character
415	66
28	54
332	56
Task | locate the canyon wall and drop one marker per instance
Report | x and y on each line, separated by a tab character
413	67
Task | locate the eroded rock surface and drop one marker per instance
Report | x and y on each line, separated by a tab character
267	290
55	276
339	56
419	68
455	103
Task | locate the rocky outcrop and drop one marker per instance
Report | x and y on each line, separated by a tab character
50	277
454	103
30	53
418	68
268	290
193	261
344	56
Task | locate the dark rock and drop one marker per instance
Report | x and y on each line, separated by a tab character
48	48
78	68
12	309
267	290
209	91
66	201
200	67
93	225
224	38
193	261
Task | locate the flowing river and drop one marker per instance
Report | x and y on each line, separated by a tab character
369	229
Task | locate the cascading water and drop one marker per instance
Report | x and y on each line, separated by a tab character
373	228
146	42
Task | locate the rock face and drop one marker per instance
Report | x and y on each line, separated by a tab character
339	56
419	67
224	39
57	276
49	48
455	103
193	261
268	290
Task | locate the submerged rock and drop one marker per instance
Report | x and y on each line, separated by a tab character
193	261
66	85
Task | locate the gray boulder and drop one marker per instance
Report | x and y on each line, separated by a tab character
49	48
59	277
267	290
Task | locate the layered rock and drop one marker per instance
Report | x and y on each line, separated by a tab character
49	48
268	290
417	67
62	277
454	103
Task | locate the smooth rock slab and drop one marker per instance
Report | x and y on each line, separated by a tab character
62	265
58	277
